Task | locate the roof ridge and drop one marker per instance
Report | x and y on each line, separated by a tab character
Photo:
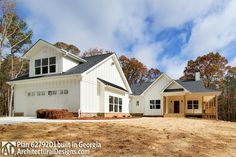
99	55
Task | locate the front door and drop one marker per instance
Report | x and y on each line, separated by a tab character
176	106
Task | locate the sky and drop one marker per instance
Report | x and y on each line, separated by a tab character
162	34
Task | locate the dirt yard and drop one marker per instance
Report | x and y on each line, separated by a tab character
136	137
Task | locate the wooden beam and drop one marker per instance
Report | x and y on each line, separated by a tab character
184	105
217	108
164	105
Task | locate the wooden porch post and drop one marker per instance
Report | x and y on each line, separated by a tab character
216	103
164	105
167	105
184	105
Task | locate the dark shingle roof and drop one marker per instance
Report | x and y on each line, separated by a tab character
195	86
139	88
111	84
91	61
82	67
192	86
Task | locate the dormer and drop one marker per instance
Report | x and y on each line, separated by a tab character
46	59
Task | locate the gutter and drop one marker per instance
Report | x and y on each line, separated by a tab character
44	78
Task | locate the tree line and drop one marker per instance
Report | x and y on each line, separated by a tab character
16	38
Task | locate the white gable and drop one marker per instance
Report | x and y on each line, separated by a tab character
108	71
42	49
174	85
157	86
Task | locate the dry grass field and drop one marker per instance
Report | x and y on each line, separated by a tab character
137	137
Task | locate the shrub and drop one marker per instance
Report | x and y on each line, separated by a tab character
53	113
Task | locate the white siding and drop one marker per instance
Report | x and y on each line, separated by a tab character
89	101
62	63
68	64
45	52
29	104
133	107
123	96
153	93
108	72
92	97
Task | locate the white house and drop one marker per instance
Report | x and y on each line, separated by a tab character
168	97
96	85
58	79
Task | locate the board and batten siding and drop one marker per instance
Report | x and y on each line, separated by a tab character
122	95
45	52
29	104
68	64
133	107
92	99
154	93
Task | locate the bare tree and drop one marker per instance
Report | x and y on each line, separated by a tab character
14	34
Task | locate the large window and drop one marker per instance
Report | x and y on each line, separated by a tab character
193	104
45	65
155	104
115	104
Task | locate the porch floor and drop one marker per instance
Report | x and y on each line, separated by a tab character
174	115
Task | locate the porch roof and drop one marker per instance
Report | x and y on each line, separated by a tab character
195	86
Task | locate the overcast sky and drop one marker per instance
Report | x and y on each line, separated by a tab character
162	34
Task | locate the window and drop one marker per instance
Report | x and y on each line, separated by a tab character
115	104
193	104
52	64
137	103
37	65
120	105
61	92
43	93
66	91
190	104
110	103
155	104
52	92
45	65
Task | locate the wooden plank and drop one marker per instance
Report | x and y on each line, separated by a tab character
184	105
164	105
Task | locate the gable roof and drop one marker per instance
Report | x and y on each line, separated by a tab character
80	68
91	61
111	84
195	86
190	86
62	51
139	88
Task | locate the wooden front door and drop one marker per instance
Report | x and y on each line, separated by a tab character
176	106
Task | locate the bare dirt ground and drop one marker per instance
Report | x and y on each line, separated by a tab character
136	137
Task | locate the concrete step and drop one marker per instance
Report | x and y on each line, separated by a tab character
174	115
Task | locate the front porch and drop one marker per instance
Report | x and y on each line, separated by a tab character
181	104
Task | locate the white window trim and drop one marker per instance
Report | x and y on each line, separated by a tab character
41	66
113	104
154	104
